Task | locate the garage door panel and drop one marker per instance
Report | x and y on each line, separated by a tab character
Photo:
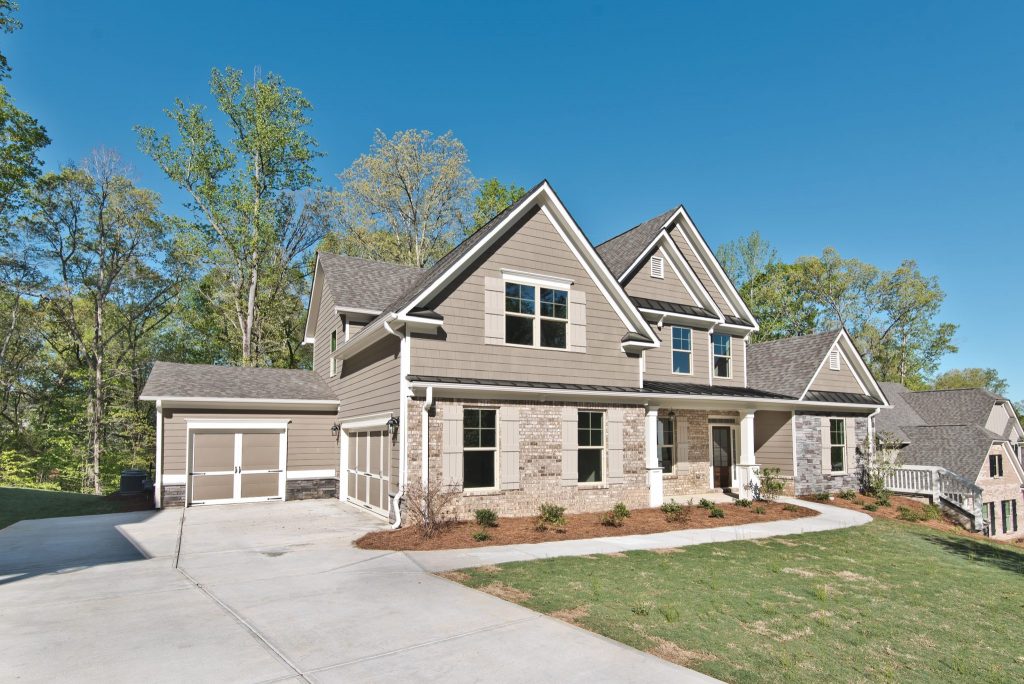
213	487
369	455
362	448
213	451
260	484
376	444
261	451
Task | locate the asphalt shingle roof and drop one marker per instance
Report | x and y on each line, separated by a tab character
953	407
364	284
623	249
960	448
786	366
169	380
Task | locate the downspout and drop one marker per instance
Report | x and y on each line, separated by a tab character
158	476
403	409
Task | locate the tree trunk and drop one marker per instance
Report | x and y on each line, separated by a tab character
96	400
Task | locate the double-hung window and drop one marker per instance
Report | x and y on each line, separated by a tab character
837	444
1009	516
682	350
666	443
479	448
334	348
536	324
721	349
995	465
988	514
590	453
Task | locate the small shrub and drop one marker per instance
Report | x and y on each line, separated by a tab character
670	613
791	508
609	519
481	535
705	503
742	503
551	516
882	498
485	517
821	496
908	514
760	510
620	510
848	495
431	510
931	512
870	507
716	512
771	485
675	512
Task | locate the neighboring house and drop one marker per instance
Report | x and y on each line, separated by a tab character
972	433
524	367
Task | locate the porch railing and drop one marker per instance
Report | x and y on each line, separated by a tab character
943	486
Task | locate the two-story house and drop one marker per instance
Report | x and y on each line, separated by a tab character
524	367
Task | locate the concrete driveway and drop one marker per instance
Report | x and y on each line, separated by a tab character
266	593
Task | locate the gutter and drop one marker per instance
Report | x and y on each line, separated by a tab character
403	460
428	404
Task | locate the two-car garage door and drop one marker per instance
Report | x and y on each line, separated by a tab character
229	466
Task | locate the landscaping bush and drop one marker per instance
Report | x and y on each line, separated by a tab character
431	510
616	516
931	511
620	510
870	507
551	516
791	508
882	497
481	535
848	494
760	510
821	496
715	512
908	514
771	484
742	503
675	512
704	503
485	517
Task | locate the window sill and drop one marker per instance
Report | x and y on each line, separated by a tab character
592	485
534	346
489	491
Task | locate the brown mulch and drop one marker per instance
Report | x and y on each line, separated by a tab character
578	526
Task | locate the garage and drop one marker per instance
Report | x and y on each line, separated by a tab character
369	460
236	464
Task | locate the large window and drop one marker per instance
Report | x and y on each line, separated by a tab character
531	325
667	443
721	349
590	463
682	350
1009	516
479	448
995	465
837	444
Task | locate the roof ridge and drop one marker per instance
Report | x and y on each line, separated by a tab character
645	221
799	337
370	261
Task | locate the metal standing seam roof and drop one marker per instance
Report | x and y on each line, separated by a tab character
673	307
186	380
842	398
788	365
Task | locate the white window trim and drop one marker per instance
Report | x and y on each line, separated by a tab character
1002	466
537	317
672	349
673	445
604	449
497	448
711	342
526	278
658	267
845	445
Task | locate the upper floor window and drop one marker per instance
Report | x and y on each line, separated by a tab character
682	350
334	340
590	452
666	443
837	442
995	465
531	325
479	448
721	348
657	267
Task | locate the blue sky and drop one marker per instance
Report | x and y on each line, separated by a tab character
887	130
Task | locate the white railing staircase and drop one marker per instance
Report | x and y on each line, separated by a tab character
943	486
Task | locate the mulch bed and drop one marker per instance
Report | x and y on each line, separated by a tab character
578	526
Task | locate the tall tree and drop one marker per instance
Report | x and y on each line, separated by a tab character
247	195
407	200
96	238
747	257
963	378
491	199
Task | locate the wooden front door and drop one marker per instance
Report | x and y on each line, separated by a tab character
722	441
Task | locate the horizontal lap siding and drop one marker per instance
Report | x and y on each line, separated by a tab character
842	380
667	289
535	247
369	382
327	322
702	274
310	443
739	352
658	364
773	440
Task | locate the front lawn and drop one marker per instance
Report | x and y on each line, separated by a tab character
886	601
27	504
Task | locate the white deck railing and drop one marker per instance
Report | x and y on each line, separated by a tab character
944	486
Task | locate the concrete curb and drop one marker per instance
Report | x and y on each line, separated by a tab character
828	518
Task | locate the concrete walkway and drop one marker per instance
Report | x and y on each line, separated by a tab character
829	518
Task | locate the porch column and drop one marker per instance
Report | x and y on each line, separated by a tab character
747	474
654	473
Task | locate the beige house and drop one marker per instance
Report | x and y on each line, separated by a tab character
525	366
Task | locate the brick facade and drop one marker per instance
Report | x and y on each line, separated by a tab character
692	472
172	496
808	441
317	488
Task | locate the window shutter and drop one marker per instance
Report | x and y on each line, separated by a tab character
826	447
451	450
570	437
508	442
682	440
577	320
494	310
614	440
850	461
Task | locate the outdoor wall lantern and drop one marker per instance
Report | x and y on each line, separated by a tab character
336	429
392	426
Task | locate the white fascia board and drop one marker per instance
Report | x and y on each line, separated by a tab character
675	269
313	307
235	402
311	474
705	296
365	337
743	330
363	422
351	309
255	424
676	317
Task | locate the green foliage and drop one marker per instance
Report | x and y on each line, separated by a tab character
908	514
821	496
609	519
742	503
706	503
961	378
620	510
481	535
551	515
883	498
847	495
716	512
771	484
641	609
492	199
931	511
670	613
790	508
760	510
870	507
485	517
675	512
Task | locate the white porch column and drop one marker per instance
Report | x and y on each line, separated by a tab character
747	476
654	472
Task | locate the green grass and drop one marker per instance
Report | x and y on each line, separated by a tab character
887	601
28	504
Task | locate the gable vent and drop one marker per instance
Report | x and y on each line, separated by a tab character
657	267
833	359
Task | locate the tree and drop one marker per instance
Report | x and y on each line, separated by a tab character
94	236
407	200
962	378
781	307
493	198
747	257
254	222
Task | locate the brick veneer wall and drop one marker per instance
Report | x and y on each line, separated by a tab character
540	460
172	496
809	476
314	488
693	460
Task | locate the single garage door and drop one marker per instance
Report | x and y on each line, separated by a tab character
234	467
369	463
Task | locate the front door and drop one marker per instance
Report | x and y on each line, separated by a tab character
722	440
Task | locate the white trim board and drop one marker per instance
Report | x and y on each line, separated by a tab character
311	474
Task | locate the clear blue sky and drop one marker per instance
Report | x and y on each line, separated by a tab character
888	130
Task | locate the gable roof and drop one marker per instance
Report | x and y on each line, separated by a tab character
207	382
954	406
622	250
787	366
960	448
364	284
900	415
